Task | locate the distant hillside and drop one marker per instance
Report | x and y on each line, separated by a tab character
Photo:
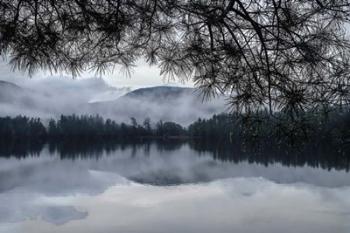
4	84
9	91
160	93
182	105
16	100
51	99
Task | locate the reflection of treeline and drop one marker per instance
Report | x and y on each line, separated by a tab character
320	156
259	130
308	139
312	155
81	148
20	147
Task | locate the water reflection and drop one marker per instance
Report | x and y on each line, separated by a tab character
52	214
149	187
312	155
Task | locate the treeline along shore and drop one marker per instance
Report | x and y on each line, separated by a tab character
259	130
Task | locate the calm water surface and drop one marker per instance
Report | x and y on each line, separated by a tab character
153	188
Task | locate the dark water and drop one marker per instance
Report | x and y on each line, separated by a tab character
170	187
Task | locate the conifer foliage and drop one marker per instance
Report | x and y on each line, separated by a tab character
278	54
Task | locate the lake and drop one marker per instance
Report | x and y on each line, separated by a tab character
170	187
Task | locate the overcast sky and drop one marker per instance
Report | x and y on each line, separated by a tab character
142	75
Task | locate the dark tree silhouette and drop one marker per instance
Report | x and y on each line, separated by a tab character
223	135
264	134
278	54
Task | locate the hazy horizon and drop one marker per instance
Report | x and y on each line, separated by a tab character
142	75
48	95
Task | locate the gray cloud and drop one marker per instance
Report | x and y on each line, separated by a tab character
51	97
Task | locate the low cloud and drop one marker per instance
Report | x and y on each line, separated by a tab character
50	97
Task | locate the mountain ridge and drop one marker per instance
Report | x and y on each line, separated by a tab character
167	103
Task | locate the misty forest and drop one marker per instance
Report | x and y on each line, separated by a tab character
174	116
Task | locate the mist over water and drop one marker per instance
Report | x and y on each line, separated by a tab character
150	187
156	186
87	155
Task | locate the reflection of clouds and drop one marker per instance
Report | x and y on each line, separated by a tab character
55	191
61	214
49	175
52	176
21	206
220	206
